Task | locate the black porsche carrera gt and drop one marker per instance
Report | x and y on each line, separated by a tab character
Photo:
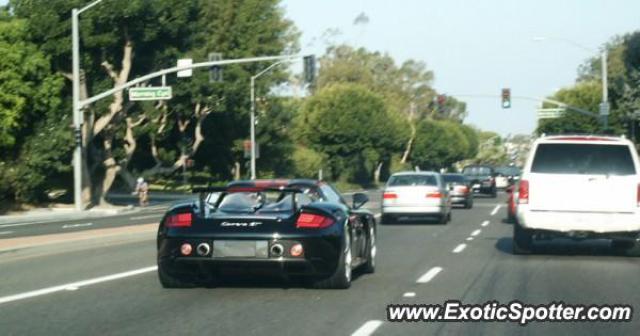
301	228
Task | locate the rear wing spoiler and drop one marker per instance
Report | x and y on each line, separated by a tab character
203	191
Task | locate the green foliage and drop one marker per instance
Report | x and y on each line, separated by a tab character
439	144
307	162
585	95
352	127
28	90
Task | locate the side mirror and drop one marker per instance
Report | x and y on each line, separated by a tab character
359	199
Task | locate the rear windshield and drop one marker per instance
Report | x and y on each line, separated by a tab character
583	159
453	178
477	171
508	171
264	202
412	180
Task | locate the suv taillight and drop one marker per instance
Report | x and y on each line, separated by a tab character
434	194
179	220
523	192
313	221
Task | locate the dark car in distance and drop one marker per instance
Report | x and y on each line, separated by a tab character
298	228
460	190
482	179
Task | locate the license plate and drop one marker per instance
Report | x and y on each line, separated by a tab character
240	249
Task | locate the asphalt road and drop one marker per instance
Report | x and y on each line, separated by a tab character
111	287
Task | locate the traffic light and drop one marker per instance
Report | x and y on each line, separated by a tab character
215	72
506	98
309	68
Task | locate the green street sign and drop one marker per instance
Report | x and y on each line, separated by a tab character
150	93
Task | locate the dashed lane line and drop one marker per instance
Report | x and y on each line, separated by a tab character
459	248
368	328
495	210
425	278
485	223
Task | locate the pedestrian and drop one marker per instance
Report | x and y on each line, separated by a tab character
142	189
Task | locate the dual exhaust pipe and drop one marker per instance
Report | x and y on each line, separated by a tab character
203	249
276	250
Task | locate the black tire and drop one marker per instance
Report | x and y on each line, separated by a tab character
469	203
171	280
522	240
341	279
370	265
387	219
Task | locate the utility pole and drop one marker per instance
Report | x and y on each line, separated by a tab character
253	127
604	106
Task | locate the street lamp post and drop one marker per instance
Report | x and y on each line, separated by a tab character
253	114
77	111
604	105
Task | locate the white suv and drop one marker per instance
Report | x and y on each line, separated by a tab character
579	187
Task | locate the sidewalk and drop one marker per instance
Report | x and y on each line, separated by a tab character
123	203
54	214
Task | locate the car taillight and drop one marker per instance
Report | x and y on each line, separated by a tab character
638	196
389	195
179	220
462	189
523	192
434	194
313	221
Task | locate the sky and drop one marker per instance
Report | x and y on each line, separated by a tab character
475	47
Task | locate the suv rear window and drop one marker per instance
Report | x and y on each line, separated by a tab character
583	159
477	171
412	180
453	178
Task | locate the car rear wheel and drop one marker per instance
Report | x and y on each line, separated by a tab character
341	279
370	265
522	240
169	279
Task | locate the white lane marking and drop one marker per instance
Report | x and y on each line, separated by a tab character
429	275
72	226
475	233
5	233
495	210
409	294
485	223
368	328
77	284
146	217
459	248
469	238
24	224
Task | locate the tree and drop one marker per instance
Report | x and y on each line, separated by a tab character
585	95
123	39
351	126
439	144
30	115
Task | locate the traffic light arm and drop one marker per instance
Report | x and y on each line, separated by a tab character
160	73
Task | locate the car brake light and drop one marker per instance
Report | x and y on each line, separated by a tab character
463	189
389	195
179	220
434	194
313	221
523	192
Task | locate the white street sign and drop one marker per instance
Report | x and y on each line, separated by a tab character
184	63
150	93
